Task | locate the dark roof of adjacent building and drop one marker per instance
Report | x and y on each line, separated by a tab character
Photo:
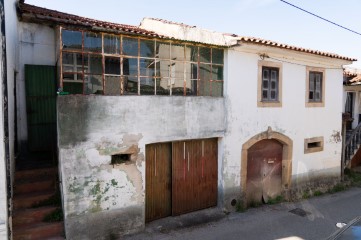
39	14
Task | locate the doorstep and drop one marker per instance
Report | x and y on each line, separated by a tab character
185	220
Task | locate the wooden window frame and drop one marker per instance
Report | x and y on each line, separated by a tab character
310	102
269	103
318	148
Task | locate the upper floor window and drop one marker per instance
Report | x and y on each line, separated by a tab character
269	84
99	63
315	87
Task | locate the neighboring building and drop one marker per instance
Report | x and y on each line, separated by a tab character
166	118
351	100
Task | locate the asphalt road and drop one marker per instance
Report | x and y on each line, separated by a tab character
320	214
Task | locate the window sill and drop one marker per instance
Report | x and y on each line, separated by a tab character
315	104
269	104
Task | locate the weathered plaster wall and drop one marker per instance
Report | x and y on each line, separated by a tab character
37	46
293	119
11	58
92	128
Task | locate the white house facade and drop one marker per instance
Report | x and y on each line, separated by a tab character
164	119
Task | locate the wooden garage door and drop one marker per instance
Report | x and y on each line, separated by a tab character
158	181
194	177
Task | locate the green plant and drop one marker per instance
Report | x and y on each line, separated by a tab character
240	206
306	195
54	216
354	177
275	200
317	193
337	188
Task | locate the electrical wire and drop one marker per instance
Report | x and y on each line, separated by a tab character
338	25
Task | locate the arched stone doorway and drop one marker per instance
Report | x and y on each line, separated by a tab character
270	154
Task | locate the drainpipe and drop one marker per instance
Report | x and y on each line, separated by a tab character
5	109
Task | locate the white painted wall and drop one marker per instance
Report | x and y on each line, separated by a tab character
11	55
37	46
293	119
92	128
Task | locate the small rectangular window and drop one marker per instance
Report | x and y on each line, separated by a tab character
269	84
315	87
120	158
313	144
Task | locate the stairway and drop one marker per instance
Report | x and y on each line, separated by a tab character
37	210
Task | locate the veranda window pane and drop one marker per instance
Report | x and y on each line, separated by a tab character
146	48
111	44
191	70
130	66
73	87
130	85
177	70
163	88
130	46
93	64
204	54
75	77
205	72
92	42
72	40
72	62
146	86
217	55
112	85
217	88
93	84
163	68
204	88
162	50
191	53
177	52
191	86
112	65
147	67
217	72
177	87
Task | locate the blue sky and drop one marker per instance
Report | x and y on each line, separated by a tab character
268	19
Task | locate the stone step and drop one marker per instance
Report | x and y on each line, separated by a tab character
34	186
40	231
28	200
30	216
27	175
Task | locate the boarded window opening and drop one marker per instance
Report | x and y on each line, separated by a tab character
120	158
313	144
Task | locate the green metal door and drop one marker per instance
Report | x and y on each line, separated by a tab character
40	82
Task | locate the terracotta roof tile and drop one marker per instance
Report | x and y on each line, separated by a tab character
35	13
300	49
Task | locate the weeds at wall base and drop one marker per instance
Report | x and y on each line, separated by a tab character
353	179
